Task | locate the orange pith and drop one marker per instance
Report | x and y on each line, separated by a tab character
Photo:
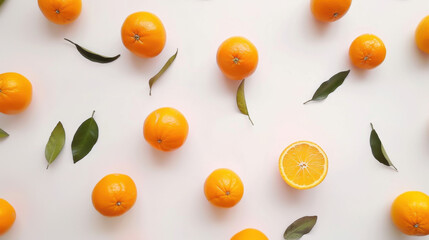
303	165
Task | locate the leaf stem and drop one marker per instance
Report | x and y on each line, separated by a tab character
372	127
93	112
70	41
308	101
250	120
47	166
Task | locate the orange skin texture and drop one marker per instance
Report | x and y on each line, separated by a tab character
114	195
7	216
223	188
329	10
15	93
422	35
61	11
166	129
410	213
143	34
367	51
249	234
237	58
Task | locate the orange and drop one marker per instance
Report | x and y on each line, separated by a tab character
7	216
61	11
367	51
249	234
165	129
422	35
223	188
303	165
410	213
237	58
15	93
143	34
329	10
114	195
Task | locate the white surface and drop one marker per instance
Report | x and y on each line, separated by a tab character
296	55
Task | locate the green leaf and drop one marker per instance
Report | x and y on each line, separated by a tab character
378	150
329	86
3	134
163	69
1	2
300	227
85	138
241	101
55	143
93	56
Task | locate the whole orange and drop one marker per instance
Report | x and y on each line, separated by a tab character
410	213
114	195
165	129
367	51
7	216
237	58
329	10
249	234
223	188
422	35
61	11
15	93
143	34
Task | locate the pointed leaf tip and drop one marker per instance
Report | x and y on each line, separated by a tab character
300	227
162	71
241	101
3	133
329	86
378	150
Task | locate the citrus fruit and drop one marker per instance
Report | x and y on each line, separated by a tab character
61	11
165	129
410	213
15	93
329	10
422	35
303	165
114	195
249	234
367	51
223	188
7	216
237	58
143	34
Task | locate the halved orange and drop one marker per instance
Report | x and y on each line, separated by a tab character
303	165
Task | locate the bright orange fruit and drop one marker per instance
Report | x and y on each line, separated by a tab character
367	51
143	34
7	216
223	188
165	129
114	195
237	58
249	234
422	35
61	11
303	165
329	10
15	93
410	213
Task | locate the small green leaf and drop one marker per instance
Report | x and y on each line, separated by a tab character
241	101
85	138
1	2
3	134
378	150
300	227
163	69
55	143
329	86
93	56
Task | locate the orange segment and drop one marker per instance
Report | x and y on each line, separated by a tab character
303	165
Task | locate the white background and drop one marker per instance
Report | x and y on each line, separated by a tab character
296	55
